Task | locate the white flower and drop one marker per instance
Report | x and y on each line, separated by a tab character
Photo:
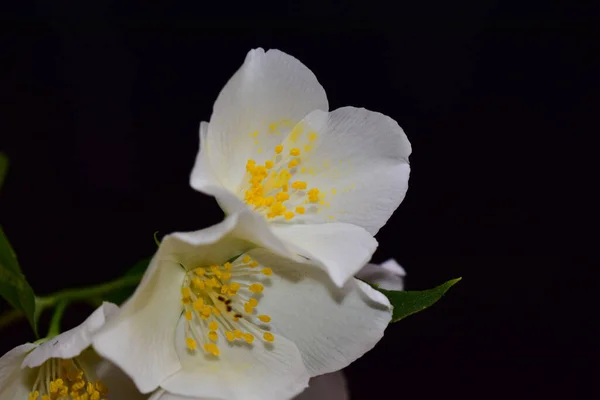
64	367
320	183
332	386
254	327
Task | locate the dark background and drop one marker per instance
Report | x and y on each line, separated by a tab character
101	103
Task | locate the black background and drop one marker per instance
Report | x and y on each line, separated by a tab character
101	103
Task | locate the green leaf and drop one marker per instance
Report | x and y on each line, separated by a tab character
120	295
3	167
13	285
406	303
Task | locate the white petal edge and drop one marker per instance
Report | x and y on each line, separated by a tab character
140	339
389	275
267	371
340	249
72	342
15	381
269	87
332	327
202	172
326	387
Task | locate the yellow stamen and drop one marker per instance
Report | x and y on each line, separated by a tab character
248	337
278	148
299	185
288	215
213	336
213	326
190	343
212	349
268	336
267	271
300	210
264	318
295	152
256	288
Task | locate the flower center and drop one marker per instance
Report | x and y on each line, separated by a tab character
60	379
274	188
221	301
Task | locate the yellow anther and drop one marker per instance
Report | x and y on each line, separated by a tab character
285	187
198	283
188	315
246	259
288	215
269	164
295	152
300	210
312	136
248	337
278	148
282	196
250	165
186	293
224	288
212	349
234	287
212	335
216	311
267	271
293	163
95	396
256	288
268	336
253	264
198	304
313	195
227	266
186	301
253	301
230	336
90	388
45	397
200	271
268	201
238	334
248	308
213	326
190	343
205	311
299	185
264	318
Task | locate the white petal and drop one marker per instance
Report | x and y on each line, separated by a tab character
340	249
359	163
242	371
332	327
389	275
269	88
72	342
202	173
139	339
211	245
16	383
326	387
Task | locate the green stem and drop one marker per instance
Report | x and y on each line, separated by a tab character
90	292
54	329
61	298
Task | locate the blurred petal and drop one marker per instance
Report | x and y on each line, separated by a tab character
15	383
389	275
